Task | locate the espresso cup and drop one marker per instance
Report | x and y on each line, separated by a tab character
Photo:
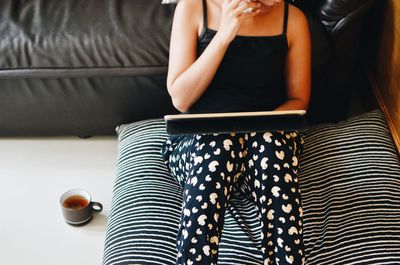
78	208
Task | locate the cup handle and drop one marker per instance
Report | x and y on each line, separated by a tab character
96	206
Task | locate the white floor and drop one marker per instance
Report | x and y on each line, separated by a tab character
34	172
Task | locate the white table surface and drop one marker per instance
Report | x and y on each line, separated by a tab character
34	172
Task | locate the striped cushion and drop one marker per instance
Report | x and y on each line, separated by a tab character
350	183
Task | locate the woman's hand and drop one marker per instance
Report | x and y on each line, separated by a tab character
233	13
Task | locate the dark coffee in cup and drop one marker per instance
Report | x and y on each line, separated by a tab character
75	202
78	208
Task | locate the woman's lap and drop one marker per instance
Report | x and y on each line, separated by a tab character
178	152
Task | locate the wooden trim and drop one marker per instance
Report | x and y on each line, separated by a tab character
382	105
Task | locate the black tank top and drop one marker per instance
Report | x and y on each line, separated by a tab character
250	76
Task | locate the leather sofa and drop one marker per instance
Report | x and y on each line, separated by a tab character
82	67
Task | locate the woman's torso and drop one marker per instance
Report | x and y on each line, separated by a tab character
251	74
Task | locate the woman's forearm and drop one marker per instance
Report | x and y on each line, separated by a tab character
293	104
192	83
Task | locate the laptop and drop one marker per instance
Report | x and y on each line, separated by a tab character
240	122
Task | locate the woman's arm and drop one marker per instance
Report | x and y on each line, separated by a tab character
189	76
298	62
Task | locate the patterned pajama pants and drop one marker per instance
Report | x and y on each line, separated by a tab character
262	165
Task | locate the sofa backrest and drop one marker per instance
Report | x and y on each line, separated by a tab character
65	59
84	38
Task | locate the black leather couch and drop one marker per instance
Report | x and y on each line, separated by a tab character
82	67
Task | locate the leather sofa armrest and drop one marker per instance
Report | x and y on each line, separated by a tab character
338	14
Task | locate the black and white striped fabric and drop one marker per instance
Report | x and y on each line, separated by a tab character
350	184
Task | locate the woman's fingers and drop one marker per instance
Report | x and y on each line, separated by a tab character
242	4
246	8
234	12
234	3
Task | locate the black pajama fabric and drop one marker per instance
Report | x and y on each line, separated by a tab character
264	166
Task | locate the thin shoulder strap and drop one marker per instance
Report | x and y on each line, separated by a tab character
285	17
204	14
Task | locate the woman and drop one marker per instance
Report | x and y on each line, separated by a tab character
236	55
